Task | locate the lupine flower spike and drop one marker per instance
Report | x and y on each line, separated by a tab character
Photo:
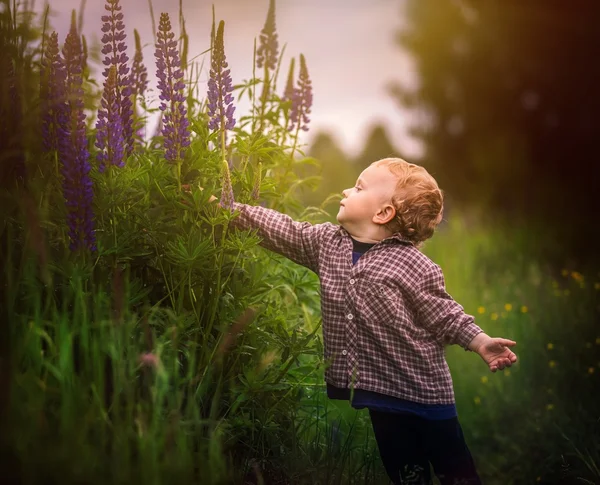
139	73
267	52
84	54
77	185
11	141
109	137
52	96
138	83
175	125
257	179
302	99
288	94
227	189
220	87
266	55
114	50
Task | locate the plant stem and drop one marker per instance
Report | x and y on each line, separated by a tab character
263	98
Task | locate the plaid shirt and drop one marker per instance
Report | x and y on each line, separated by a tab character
386	319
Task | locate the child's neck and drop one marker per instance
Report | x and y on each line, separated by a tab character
365	239
369	235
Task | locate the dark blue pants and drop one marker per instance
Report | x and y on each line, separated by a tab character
408	444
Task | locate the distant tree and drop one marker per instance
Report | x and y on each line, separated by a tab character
336	170
509	91
377	146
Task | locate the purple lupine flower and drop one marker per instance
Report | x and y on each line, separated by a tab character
109	136
114	51
288	94
139	73
302	99
267	51
220	87
77	185
175	124
226	188
52	96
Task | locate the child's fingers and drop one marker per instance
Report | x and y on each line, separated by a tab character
506	342
501	363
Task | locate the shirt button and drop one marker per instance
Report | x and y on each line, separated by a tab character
350	316
352	281
344	352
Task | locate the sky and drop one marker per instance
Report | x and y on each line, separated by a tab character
348	45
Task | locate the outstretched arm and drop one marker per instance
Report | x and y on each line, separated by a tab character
439	313
449	324
298	241
495	352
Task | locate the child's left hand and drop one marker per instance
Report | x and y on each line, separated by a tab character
496	353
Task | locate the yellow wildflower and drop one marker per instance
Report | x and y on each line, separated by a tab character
508	307
477	400
550	346
552	363
597	286
597	340
577	276
565	272
554	284
524	309
550	407
484	379
506	372
567	292
481	310
494	316
591	370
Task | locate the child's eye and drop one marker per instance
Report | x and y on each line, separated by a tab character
358	189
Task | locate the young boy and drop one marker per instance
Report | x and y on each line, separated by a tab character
387	316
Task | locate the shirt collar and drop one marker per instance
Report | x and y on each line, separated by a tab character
398	238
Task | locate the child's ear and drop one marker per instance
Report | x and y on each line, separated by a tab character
385	214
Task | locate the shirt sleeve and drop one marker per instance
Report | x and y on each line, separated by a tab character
440	314
298	241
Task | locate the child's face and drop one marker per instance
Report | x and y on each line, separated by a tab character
361	204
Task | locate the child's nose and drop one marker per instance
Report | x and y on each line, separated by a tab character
344	192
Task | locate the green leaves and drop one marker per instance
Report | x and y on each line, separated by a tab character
191	252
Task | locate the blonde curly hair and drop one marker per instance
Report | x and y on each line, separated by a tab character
418	200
